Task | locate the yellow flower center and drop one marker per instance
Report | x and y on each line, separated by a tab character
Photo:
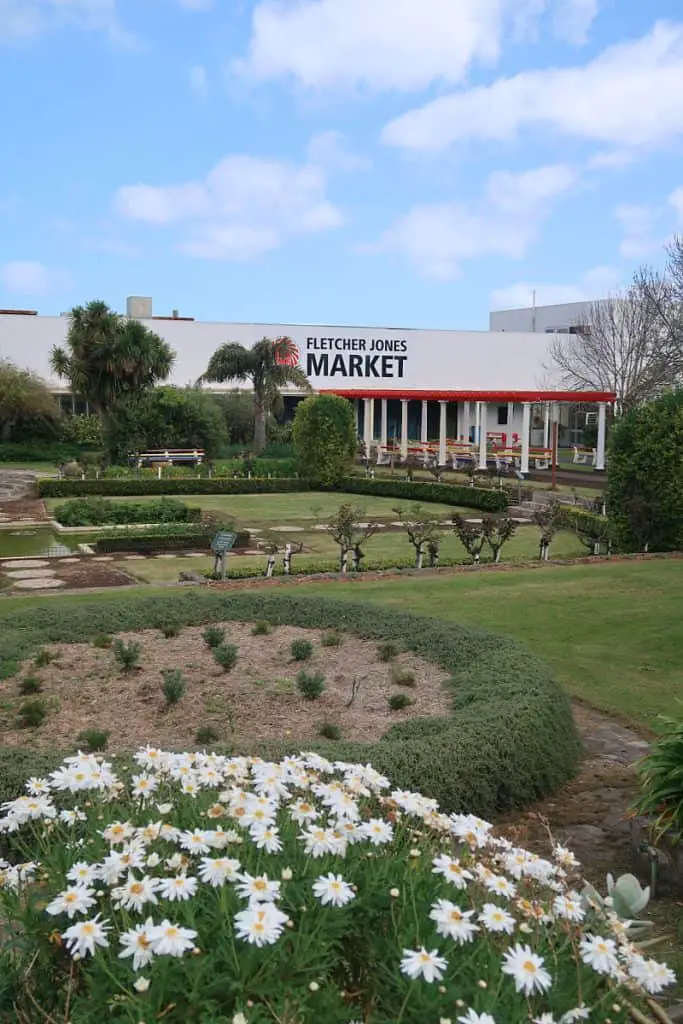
529	967
88	929
136	889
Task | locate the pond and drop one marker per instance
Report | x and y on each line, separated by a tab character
38	543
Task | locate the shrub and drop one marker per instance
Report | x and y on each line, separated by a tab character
416	491
31	684
329	731
143	486
387	650
262	628
171	629
401	675
32	713
173	686
100	512
310	684
213	636
127	654
331	639
225	655
399	701
103	641
170	537
301	650
661	783
207	734
94	740
327	944
44	657
324	435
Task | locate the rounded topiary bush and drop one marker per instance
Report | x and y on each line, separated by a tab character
511	738
199	887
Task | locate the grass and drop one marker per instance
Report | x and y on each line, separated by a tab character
610	631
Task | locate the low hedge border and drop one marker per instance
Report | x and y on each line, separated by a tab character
511	738
162	539
416	491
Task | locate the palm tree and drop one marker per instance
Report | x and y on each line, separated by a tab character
269	365
108	356
23	397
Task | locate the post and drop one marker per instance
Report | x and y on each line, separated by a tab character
425	423
556	432
526	427
602	435
483	435
356	415
404	428
384	424
443	410
511	420
477	422
367	425
546	426
467	416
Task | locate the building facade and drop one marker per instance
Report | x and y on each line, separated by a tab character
563	318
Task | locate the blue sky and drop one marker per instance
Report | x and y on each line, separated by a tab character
388	162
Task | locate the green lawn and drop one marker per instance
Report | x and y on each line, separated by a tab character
611	631
33	467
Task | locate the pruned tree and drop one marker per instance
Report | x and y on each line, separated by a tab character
434	466
595	533
24	397
424	531
497	532
410	464
629	344
346	530
471	536
548	518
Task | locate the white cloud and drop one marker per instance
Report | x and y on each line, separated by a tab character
638	225
627	97
436	238
244	207
329	150
199	80
27	19
573	19
594	284
28	277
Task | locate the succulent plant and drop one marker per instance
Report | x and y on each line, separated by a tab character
626	898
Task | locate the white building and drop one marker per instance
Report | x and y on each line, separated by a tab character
564	318
479	388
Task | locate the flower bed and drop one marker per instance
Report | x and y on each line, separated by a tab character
199	887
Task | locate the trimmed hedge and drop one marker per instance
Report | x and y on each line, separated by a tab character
511	738
100	512
185	485
170	538
446	494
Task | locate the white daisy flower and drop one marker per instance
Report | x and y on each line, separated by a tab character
318	842
451	869
332	889
141	984
568	906
83	938
577	1014
195	842
216	871
134	893
82	873
472	1017
452	922
418	963
72	817
266	837
565	857
599	953
259	889
180	887
260	924
144	785
500	885
118	832
137	942
377	831
171	940
74	900
650	974
496	919
527	970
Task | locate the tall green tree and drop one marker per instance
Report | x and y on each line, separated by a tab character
269	365
645	476
24	398
324	434
108	357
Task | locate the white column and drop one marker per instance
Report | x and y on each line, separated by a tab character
384	423
372	420
367	423
511	420
356	413
602	435
443	408
526	427
425	423
546	426
477	422
483	411
467	421
404	428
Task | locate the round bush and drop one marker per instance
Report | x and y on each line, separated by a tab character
196	887
512	737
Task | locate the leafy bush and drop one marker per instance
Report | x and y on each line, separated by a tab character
173	686
100	512
310	684
31	684
207	734
331	639
142	486
170	629
661	783
301	650
499	690
170	537
329	731
416	491
213	636
103	641
399	701
44	657
261	628
324	435
387	650
57	452
127	654
32	713
402	676
489	962
645	482
94	740
225	655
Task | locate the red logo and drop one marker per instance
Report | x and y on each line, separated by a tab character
286	352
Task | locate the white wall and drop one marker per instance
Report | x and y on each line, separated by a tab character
542	318
455	360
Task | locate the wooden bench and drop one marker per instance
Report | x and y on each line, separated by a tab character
585	456
168	456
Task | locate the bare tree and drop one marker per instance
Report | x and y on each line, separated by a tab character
424	530
471	536
549	519
629	346
497	532
350	534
